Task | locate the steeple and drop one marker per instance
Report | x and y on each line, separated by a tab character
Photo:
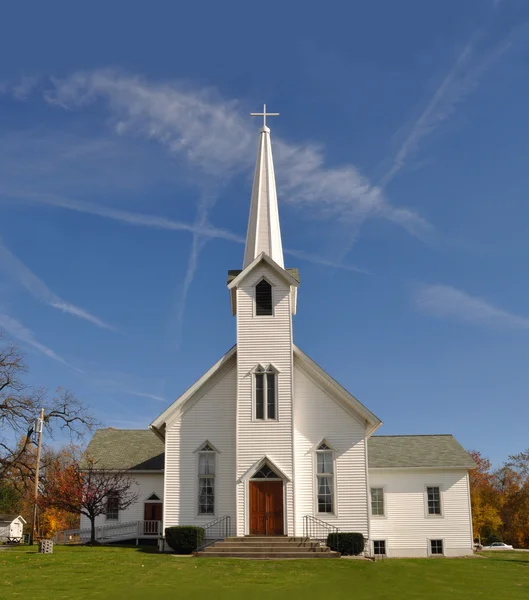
264	234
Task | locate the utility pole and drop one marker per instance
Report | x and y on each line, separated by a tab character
38	429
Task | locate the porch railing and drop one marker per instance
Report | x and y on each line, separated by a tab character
316	529
215	531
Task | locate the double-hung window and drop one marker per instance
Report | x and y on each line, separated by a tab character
433	498
325	478
265	404
377	502
206	480
112	508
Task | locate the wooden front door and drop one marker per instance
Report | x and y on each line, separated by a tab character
266	508
152	512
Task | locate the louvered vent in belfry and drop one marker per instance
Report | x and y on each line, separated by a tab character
263	298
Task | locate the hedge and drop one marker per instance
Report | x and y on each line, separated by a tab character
346	543
184	539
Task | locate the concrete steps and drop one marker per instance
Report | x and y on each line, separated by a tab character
268	547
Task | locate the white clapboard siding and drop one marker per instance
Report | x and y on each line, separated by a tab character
263	340
209	416
144	484
407	527
317	416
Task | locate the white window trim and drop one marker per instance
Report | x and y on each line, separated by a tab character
379	540
268	370
116	520
441	499
272	285
429	540
334	496
384	496
198	452
147	501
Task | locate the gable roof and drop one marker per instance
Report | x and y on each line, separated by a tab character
159	423
335	389
5	518
416	451
134	449
233	273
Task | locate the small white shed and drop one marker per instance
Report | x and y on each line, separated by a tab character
11	528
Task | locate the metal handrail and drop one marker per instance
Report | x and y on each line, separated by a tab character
317	529
214	531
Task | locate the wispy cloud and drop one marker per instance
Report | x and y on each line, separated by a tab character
464	76
17	330
447	302
213	135
206	202
14	267
152	221
123	216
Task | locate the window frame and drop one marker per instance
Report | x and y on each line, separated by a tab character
272	314
200	452
385	542
117	511
269	370
436	539
427	512
332	451
384	507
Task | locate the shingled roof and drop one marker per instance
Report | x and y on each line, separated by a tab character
142	450
408	451
134	449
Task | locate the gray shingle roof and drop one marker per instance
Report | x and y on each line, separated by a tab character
135	449
391	451
233	273
141	449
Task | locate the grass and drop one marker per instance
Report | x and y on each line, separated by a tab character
131	573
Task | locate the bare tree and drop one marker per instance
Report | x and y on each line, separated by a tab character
20	404
86	489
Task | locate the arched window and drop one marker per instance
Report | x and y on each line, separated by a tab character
263	298
325	478
206	479
265	393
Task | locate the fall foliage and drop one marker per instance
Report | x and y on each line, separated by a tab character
83	489
500	500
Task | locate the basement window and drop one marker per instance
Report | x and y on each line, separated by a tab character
436	547
379	547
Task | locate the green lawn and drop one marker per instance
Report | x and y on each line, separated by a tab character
82	572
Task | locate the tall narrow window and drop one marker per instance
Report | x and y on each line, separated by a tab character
377	502
112	510
325	478
263	298
206	480
265	393
434	500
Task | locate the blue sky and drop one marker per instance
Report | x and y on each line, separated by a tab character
126	157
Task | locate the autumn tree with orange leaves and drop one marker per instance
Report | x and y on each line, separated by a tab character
85	489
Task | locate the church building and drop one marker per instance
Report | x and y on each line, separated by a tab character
269	443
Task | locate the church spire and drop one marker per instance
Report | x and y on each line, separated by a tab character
264	234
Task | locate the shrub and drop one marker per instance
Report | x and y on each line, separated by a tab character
346	543
184	539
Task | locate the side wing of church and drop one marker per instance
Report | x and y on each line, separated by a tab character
268	442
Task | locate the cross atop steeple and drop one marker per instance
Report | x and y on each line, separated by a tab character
264	234
264	114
